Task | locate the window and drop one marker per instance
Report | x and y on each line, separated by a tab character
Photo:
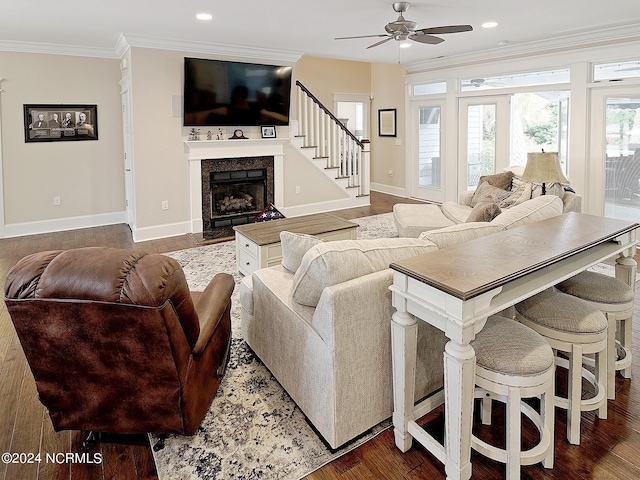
430	88
616	71
517	80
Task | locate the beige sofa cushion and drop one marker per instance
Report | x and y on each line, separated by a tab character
294	246
463	232
455	212
534	210
330	263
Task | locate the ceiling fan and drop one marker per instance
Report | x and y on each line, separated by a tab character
403	29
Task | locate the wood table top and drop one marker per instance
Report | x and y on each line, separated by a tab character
477	266
265	233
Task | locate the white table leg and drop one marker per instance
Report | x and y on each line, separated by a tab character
626	270
404	345
459	383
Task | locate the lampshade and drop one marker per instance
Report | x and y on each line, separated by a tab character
543	167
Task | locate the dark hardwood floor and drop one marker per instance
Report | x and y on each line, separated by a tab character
609	447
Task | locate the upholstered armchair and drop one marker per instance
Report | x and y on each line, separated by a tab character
116	342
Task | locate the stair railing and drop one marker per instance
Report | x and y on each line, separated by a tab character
333	141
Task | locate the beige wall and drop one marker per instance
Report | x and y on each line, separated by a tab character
387	153
86	175
324	77
161	169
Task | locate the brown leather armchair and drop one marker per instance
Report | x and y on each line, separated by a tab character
115	341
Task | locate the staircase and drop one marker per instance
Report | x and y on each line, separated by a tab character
324	140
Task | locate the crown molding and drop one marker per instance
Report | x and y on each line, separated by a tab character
230	52
55	49
223	51
562	44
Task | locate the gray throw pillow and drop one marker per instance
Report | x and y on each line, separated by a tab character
294	246
484	212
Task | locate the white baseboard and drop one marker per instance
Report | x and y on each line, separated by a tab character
320	207
161	231
390	190
62	224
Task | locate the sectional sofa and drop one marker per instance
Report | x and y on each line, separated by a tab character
321	321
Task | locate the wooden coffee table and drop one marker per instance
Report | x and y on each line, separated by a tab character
258	244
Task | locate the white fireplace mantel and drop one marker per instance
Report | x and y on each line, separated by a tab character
198	150
206	149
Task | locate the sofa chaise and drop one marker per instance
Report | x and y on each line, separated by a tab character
321	321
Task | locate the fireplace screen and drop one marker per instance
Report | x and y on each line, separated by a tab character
238	193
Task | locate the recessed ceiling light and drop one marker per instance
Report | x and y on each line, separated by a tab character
204	16
489	24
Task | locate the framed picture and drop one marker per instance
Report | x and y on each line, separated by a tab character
60	123
387	122
268	131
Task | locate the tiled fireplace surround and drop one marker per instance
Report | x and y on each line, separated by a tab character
229	155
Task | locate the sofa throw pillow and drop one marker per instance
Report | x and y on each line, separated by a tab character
499	180
486	193
518	195
484	212
331	263
294	246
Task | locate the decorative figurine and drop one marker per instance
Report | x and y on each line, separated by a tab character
209	135
194	134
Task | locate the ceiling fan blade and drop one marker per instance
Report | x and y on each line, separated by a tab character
380	42
422	38
359	36
446	29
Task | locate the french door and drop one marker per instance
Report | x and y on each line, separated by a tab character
483	139
614	153
426	176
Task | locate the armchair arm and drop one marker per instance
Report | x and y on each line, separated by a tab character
210	306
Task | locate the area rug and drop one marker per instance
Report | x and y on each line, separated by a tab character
253	429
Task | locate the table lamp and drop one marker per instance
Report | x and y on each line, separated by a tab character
543	167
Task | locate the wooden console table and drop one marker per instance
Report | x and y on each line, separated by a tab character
258	244
455	289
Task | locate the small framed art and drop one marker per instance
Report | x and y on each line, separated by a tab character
58	122
387	122
268	131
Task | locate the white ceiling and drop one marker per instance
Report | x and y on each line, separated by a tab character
309	26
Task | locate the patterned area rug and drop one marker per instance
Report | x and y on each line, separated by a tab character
253	430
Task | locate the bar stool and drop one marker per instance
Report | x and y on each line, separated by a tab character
514	362
574	327
614	298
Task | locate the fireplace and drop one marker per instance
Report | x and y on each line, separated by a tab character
234	192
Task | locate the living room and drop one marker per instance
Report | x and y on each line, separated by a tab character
87	177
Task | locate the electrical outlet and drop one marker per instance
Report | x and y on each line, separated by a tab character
56	201
297	188
165	204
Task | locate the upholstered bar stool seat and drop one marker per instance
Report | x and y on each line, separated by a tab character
514	362
574	327
614	298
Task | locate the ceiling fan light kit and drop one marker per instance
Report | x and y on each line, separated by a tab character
402	29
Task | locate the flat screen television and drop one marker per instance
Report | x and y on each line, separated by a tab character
225	93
